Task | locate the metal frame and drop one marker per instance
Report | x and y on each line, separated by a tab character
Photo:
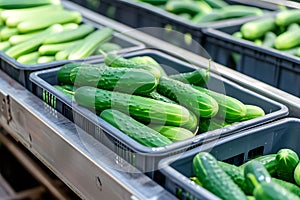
55	140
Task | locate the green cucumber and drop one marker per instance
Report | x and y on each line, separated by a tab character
214	179
237	175
147	60
287	161
128	80
216	3
48	20
134	129
212	16
52	49
297	174
287	40
30	58
238	11
7	32
271	191
63	74
113	60
69	35
269	39
17	39
192	124
293	26
108	47
287	185
212	124
66	92
186	16
256	170
197	77
33	43
196	180
269	161
12	4
173	133
198	102
252	112
230	108
155	95
189	7
4	46
64	54
257	28
141	108
90	43
287	17
45	59
293	51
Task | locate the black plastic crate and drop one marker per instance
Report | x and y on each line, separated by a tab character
146	158
140	15
265	64
235	149
20	72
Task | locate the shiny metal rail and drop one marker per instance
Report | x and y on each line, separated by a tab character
85	165
292	102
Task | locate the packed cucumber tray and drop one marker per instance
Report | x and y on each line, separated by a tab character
196	133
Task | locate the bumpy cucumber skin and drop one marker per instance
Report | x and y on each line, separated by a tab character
270	163
271	191
215	179
128	80
155	95
287	161
141	108
252	112
237	175
147	60
134	129
63	74
198	77
258	28
230	108
114	60
199	103
287	185
297	174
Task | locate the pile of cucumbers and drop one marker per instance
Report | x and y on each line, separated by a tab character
280	32
136	96
41	31
273	176
205	11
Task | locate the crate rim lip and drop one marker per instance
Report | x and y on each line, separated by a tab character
165	150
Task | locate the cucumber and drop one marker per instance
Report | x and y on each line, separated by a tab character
196	180
230	108
147	60
197	77
258	28
287	17
297	174
256	170
128	80
45	59
252	112
293	27
66	92
212	16
48	20
70	26
198	102
33	43
90	43
189	7
271	191
155	95
293	51
238	11
269	39
108	47
52	49
216	3
173	133
7	32
237	175
30	58
212	124
17	39
186	16
113	60
134	129
69	35
214	179
287	161
140	108
63	54
12	4
287	40
192	124
4	46
287	185
63	74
